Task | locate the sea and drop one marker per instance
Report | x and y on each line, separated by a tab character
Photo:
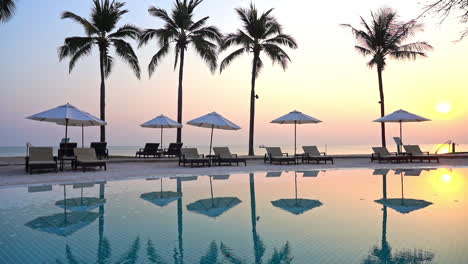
20	151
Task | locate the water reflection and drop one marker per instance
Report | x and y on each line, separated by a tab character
67	223
383	254
80	204
404	205
296	205
161	198
213	207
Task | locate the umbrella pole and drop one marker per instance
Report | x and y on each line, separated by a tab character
295	184
82	136
211	188
295	136
66	129
402	196
161	187
401	134
161	138
211	139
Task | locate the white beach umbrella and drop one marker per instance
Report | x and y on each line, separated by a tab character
162	122
401	116
68	115
213	120
296	118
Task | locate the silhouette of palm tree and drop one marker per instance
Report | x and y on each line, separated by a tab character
181	31
100	32
384	37
7	8
261	32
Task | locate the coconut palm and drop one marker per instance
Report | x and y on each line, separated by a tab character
260	33
100	32
384	36
179	32
7	7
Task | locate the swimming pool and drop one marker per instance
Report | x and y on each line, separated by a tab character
336	216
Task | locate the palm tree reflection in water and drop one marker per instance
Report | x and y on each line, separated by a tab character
384	253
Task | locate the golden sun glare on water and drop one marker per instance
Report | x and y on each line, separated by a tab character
444	108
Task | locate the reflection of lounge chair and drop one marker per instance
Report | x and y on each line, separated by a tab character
43	188
173	150
272	174
382	154
191	156
150	149
311	153
313	173
86	158
274	154
224	156
415	154
41	158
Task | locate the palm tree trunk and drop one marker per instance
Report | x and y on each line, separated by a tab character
179	98
103	95
252	105
382	104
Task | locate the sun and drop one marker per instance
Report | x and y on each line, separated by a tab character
444	108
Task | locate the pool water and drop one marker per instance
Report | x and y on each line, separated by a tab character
336	216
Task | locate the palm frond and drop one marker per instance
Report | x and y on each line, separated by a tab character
283	39
210	32
108	64
238	38
364	51
277	55
127	31
199	24
105	14
162	14
7	8
90	29
207	51
83	51
72	45
125	51
230	58
157	59
259	64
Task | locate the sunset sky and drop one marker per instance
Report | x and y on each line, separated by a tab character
327	79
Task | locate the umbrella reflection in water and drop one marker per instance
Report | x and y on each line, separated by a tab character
161	198
404	205
213	207
63	224
296	205
384	253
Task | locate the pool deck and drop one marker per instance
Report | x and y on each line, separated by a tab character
119	169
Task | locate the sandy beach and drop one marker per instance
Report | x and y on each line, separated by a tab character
14	175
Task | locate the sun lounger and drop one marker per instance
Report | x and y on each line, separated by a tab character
415	154
274	154
66	150
311	153
150	149
382	154
101	149
191	156
86	158
41	158
224	156
173	150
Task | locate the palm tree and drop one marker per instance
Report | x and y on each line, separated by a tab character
259	33
100	32
180	30
384	37
7	8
